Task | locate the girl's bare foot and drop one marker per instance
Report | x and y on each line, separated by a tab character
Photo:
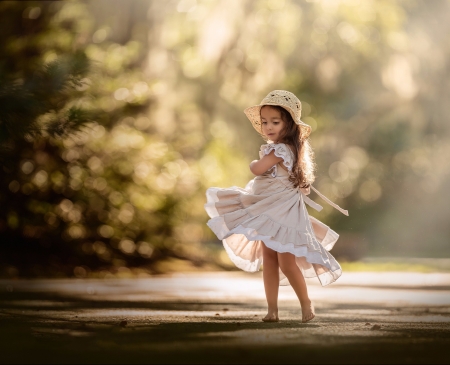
271	317
308	312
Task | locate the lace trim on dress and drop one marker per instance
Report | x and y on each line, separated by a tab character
280	150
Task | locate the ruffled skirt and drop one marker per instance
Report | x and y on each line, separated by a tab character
270	211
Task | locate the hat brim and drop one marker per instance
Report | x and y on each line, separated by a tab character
253	113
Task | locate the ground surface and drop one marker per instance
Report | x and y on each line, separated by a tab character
216	318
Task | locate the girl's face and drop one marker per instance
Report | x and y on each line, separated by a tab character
271	123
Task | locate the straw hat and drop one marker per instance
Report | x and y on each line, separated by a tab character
282	98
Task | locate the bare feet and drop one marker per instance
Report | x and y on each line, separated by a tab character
271	317
308	312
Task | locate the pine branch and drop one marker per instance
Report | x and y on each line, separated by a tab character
49	90
71	121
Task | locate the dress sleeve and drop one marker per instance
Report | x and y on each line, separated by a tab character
280	150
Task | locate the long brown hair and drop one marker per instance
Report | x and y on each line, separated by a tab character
304	166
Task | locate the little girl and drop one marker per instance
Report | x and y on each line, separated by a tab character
267	222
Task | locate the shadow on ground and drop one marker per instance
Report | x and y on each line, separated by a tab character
53	327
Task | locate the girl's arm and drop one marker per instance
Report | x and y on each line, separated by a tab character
259	167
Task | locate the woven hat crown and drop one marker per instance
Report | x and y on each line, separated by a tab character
286	100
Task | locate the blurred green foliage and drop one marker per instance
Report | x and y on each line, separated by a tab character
124	112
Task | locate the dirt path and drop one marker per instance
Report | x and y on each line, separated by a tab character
216	318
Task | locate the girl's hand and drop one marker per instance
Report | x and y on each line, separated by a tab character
259	167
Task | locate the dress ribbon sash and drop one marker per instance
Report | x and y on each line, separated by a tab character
316	206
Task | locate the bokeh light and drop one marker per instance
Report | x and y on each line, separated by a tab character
166	88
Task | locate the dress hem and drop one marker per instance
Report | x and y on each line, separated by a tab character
219	227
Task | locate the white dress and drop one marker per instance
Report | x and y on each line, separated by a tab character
270	210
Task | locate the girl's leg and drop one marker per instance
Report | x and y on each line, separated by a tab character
291	270
271	277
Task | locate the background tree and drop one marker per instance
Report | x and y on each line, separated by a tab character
156	91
